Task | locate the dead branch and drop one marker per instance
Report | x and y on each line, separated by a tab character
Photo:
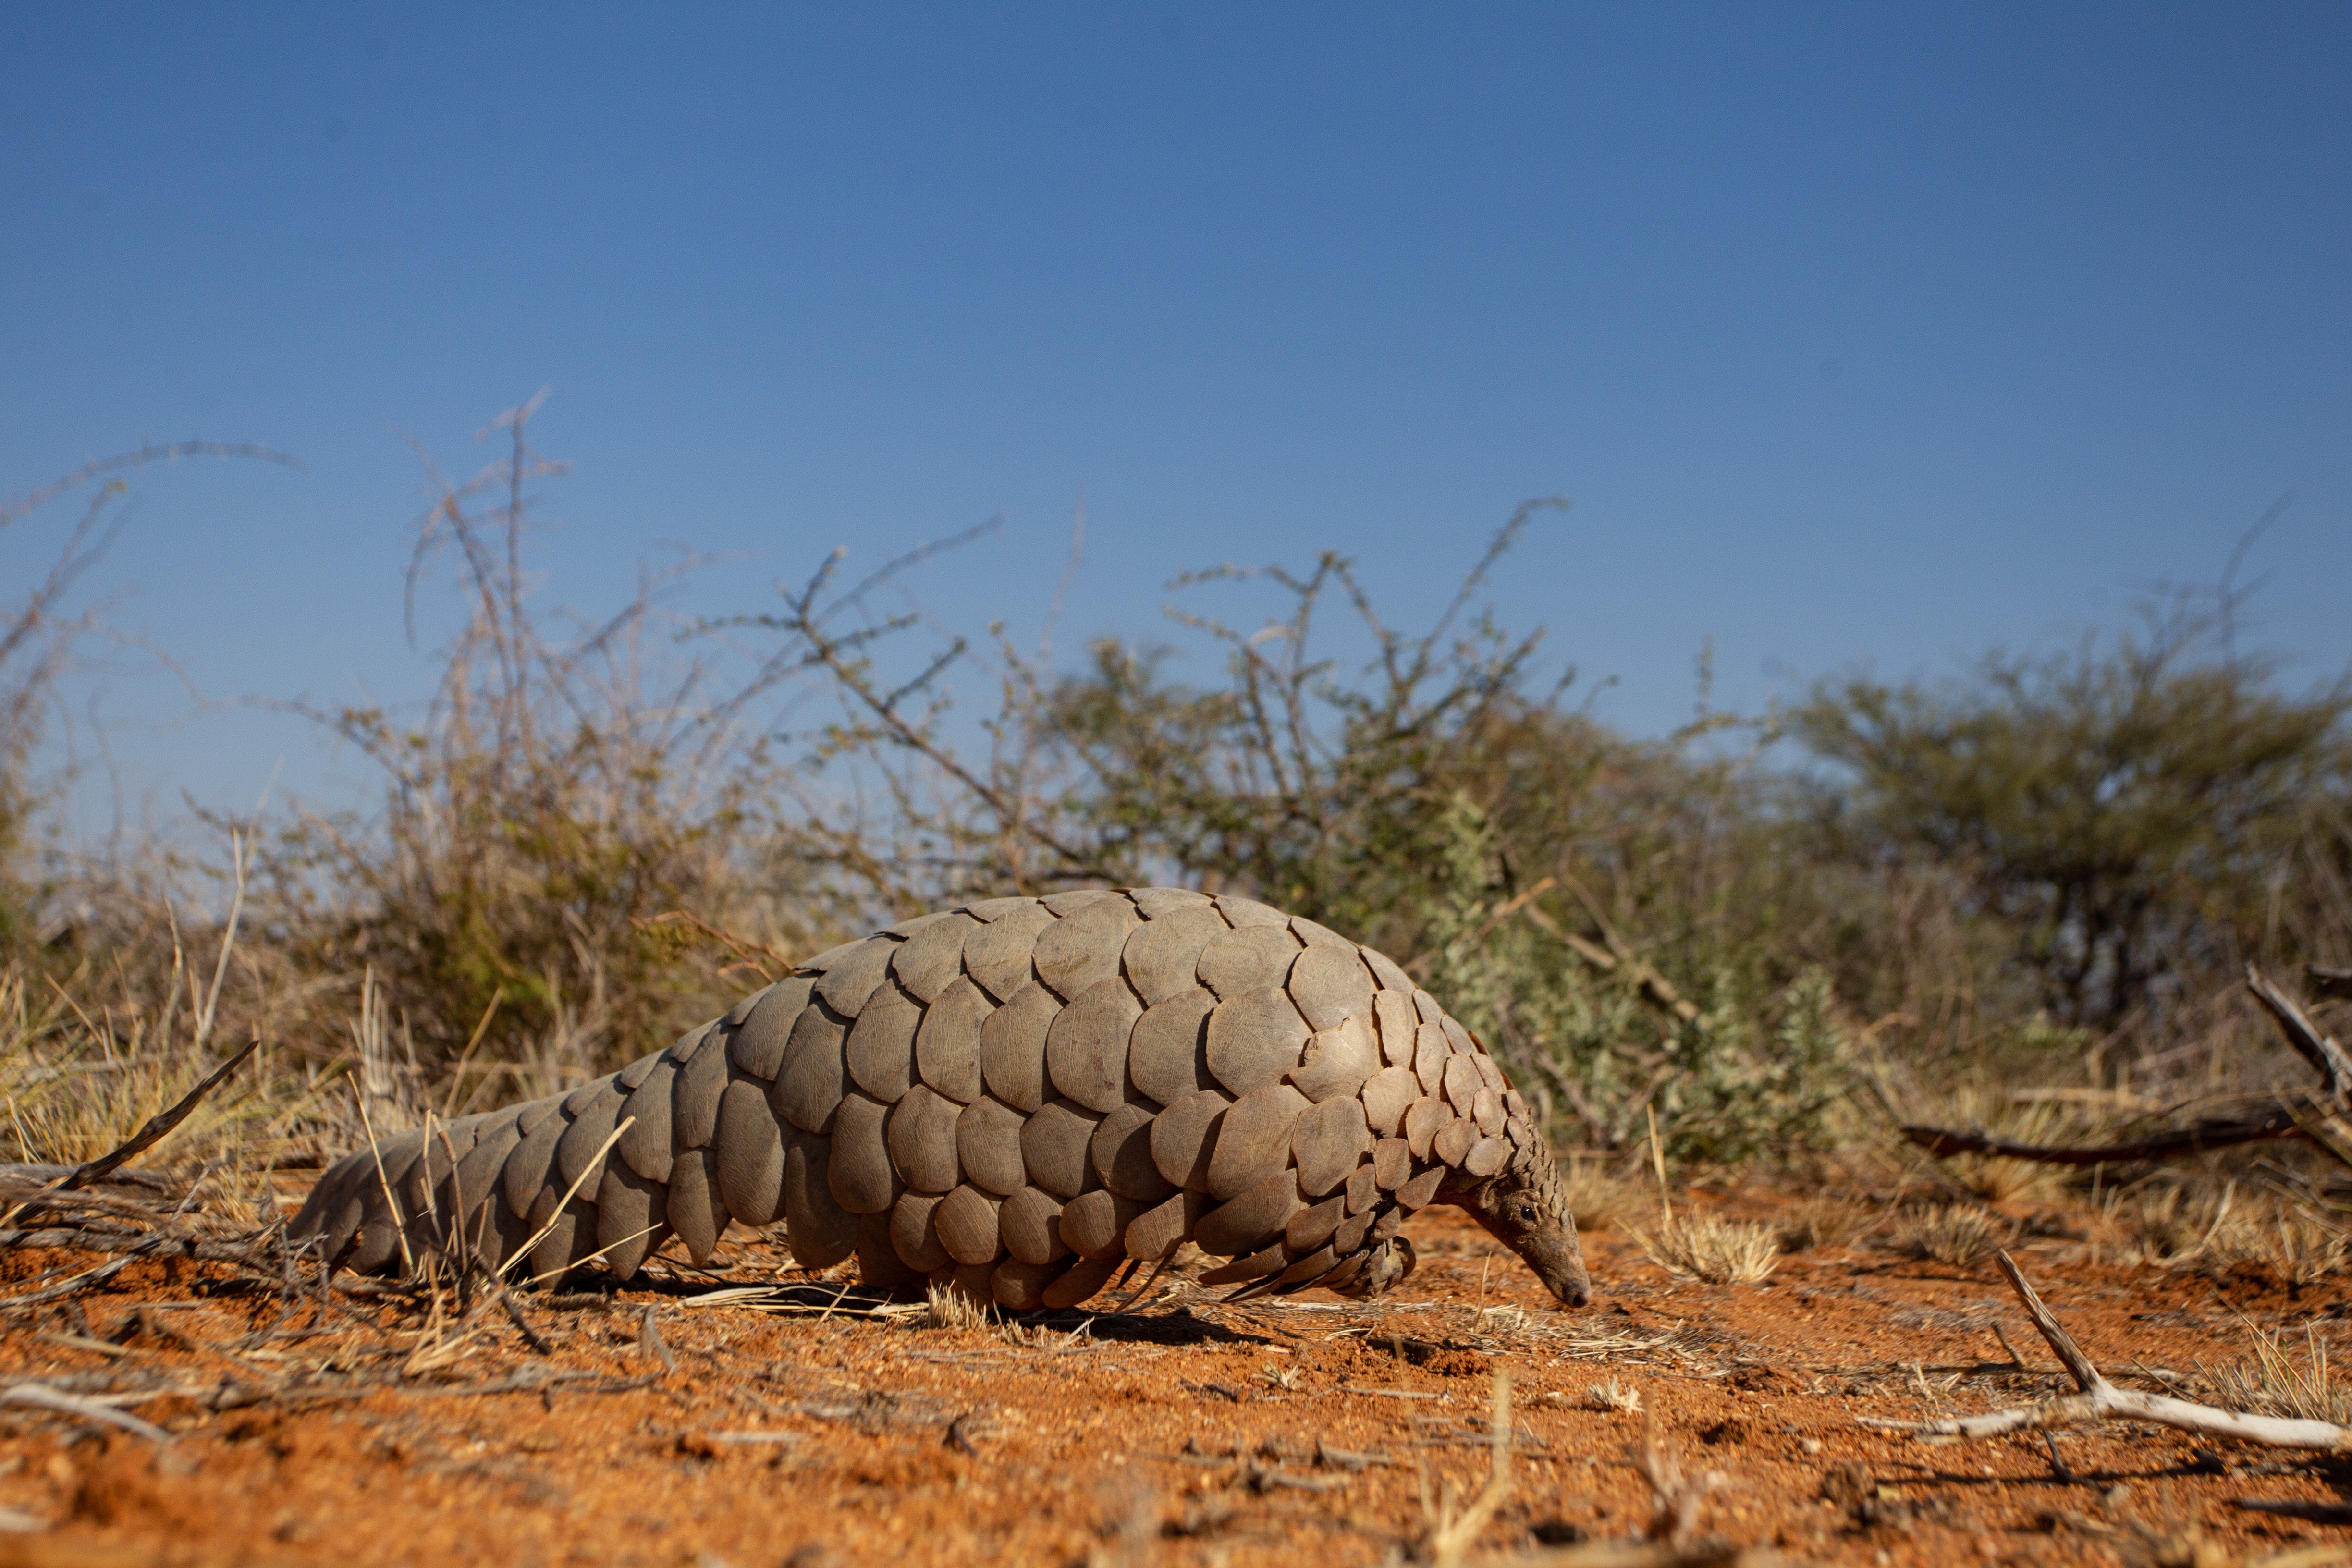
158	1127
2315	1512
71	1285
2099	1400
2194	1138
2295	1115
17	509
11	1172
137	1244
2322	1052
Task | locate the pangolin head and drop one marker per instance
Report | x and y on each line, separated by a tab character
1526	1208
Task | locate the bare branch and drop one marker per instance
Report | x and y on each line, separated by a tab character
166	452
2192	1139
2318	1049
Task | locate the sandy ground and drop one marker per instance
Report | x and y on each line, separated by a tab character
359	1429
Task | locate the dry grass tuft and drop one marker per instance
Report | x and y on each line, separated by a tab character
948	1307
1999	1181
1826	1222
2276	1383
2294	1247
2172	1226
1713	1250
2182	1228
1957	1234
88	1056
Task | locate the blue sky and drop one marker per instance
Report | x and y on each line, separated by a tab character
1856	334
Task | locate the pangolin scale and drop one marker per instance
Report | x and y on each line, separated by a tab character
1016	1098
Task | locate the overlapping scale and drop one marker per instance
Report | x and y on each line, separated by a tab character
1162	957
947	1046
1255	1038
880	1052
1012	1047
749	1154
815	1075
695	1208
1081	950
1167	1052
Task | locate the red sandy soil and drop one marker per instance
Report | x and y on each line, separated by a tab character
1179	1431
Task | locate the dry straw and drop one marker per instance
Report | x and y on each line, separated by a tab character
2276	1383
1705	1247
1957	1234
1714	1250
1822	1222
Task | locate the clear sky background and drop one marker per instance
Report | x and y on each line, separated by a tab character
1867	334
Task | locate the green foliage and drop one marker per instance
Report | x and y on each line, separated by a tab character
1750	1074
2131	813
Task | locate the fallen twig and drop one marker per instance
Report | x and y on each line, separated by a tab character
2316	1512
2099	1400
530	1382
2194	1138
63	1288
38	1174
2324	1054
1347	1460
649	1339
44	1397
1263	1478
539	1342
134	1244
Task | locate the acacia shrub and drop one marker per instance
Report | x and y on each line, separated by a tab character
2140	815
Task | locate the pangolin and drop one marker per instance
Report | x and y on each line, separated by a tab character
1016	1098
